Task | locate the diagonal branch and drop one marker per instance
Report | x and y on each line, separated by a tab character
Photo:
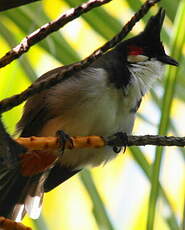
62	75
47	29
5	5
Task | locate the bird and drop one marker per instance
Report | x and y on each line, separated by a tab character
101	99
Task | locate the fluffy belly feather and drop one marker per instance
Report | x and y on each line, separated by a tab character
104	115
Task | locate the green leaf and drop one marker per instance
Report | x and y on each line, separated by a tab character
40	224
56	45
99	209
146	168
100	20
171	7
24	62
176	49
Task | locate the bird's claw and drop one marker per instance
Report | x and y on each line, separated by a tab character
63	138
118	140
117	149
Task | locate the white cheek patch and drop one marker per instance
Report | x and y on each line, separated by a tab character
137	58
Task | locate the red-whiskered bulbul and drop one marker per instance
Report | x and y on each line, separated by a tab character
100	100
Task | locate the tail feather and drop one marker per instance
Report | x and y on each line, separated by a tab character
30	204
11	183
33	206
24	194
34	198
18	213
11	180
20	195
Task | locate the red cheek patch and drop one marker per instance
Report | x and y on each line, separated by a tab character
135	50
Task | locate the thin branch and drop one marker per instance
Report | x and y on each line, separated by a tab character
42	150
64	74
8	4
47	29
156	140
53	143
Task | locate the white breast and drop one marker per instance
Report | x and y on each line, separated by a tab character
146	73
89	105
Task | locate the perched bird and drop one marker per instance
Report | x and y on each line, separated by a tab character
100	100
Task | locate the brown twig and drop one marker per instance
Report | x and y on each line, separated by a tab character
52	143
47	29
15	100
42	150
5	5
7	224
156	140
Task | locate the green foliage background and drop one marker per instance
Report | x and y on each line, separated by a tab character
103	198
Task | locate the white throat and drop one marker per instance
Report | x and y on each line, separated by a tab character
144	74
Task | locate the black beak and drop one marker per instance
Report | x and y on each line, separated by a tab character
168	60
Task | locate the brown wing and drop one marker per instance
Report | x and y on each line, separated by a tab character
36	112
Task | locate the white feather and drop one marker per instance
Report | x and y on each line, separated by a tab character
34	207
34	198
19	210
146	73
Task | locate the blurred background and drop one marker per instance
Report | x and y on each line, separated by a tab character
121	194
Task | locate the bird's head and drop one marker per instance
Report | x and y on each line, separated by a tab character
147	45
